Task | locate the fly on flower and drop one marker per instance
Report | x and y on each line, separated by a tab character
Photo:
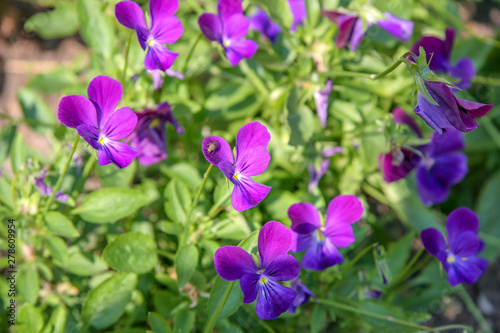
212	147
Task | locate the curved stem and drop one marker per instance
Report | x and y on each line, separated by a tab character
215	316
404	273
215	209
474	310
85	174
190	53
127	48
254	78
357	258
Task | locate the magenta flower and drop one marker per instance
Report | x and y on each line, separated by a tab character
46	190
322	241
252	159
321	101
149	136
262	23
97	121
298	8
233	263
228	29
351	30
165	29
303	294
459	255
439	53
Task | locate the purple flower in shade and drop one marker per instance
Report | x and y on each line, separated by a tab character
228	28
46	190
165	29
262	23
373	294
352	32
303	294
233	263
157	76
451	112
97	121
252	159
459	255
322	241
149	135
317	174
439	53
298	8
321	101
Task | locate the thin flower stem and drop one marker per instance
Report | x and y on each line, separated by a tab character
404	273
85	174
127	48
357	258
490	81
215	316
190	53
388	70
215	209
253	77
474	310
61	177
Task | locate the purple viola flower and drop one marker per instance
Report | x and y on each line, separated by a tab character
262	23
439	53
315	175
228	28
303	294
321	101
373	294
165	29
298	8
352	31
322	241
156	75
459	255
97	121
233	263
252	159
46	190
149	136
451	112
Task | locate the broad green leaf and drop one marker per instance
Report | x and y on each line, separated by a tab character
278	10
105	304
184	321
110	176
17	152
57	321
29	319
60	225
318	319
108	205
84	264
184	172
398	254
36	111
60	80
165	302
131	252
186	261
58	249
6	138
60	22
302	125
178	201
158	323
28	282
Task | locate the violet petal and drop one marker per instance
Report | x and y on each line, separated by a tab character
433	241
283	268
343	209
305	218
232	262
105	93
216	149
120	124
75	110
274	239
274	299
211	27
459	221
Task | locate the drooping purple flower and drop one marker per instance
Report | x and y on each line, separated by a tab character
458	256
352	31
150	134
97	121
165	29
262	23
321	101
315	174
233	263
451	112
298	8
228	28
252	159
439	53
46	190
156	75
322	241
303	294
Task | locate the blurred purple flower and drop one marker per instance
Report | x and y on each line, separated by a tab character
303	294
149	136
233	263
298	8
439	53
262	23
373	294
228	28
315	175
156	75
46	190
459	255
321	101
322	241
97	121
351	30
252	159
165	29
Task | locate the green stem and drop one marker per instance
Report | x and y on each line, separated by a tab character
404	273
388	70
61	177
474	310
347	74
190	53
357	258
374	193
215	316
89	165
215	209
166	254
256	81
127	48
490	81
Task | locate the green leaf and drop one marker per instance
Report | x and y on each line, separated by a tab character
184	321
105	304
186	173
58	250
37	112
110	176
158	323
18	152
132	252
186	261
108	205
318	319
61	22
60	80
60	225
278	10
28	282
7	135
84	264
57	321
398	254
387	310
29	319
302	125
178	201
488	211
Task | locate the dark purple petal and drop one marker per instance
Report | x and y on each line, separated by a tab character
130	15
236	27
228	8
105	93
316	175
305	218
168	31
399	28
249	136
298	9
474	109
274	299
211	27
159	57
393	169
151	147
321	101
302	297
466	245
321	255
161	9
466	271
341	235
262	23
119	153
274	240
463	70
447	142
249	284
401	117
232	262
283	268
253	161
433	241
450	168
246	193
430	188
216	149
459	221
343	209
437	52
357	34
40	184
120	124
345	24
300	242
238	50
75	110
90	134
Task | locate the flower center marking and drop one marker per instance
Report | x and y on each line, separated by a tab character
236	176
103	140
319	235
262	280
154	123
451	258
226	43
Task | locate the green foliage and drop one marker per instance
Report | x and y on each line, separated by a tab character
132	252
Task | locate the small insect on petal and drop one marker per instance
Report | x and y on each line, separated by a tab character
213	146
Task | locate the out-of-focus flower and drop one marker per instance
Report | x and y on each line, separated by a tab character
322	241
298	8
46	190
252	159
165	29
228	28
315	174
303	294
233	263
97	121
149	136
321	101
459	255
156	75
262	23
